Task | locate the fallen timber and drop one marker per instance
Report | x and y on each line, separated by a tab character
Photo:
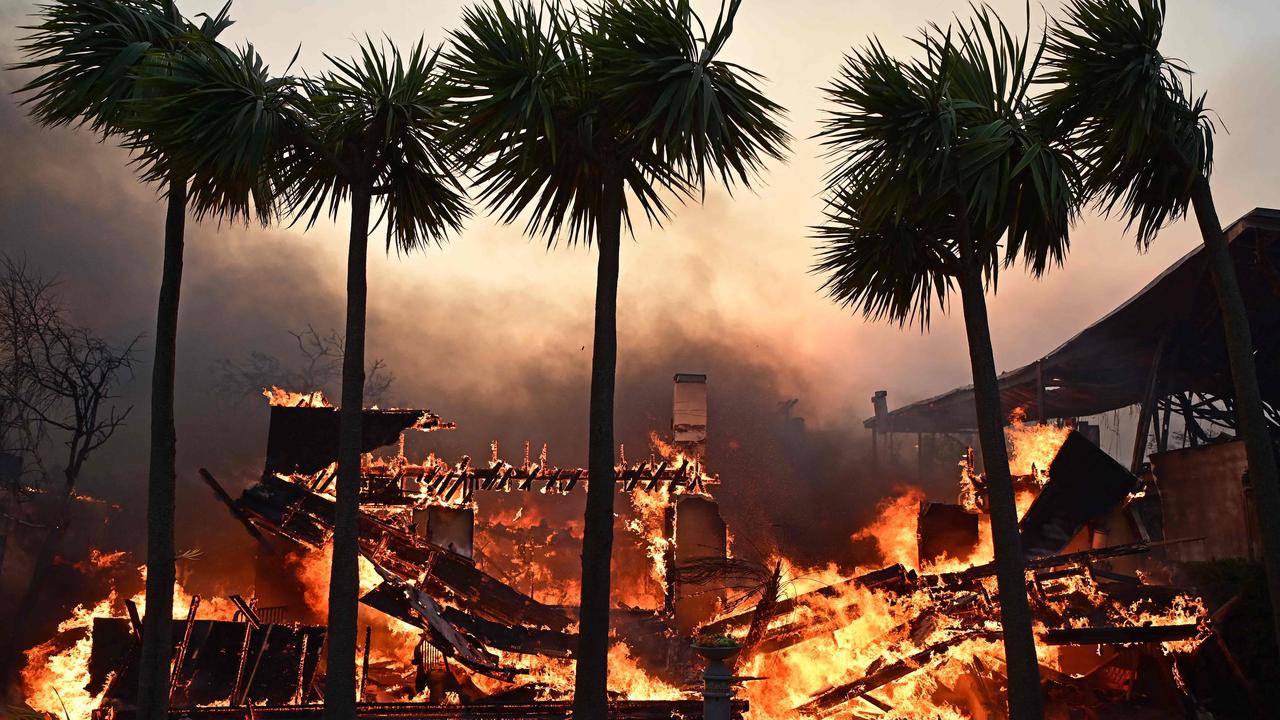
419	577
828	700
848	692
898	579
545	710
440	482
1120	635
307	517
964	586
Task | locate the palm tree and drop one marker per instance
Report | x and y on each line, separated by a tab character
937	162
1147	148
565	111
112	65
370	130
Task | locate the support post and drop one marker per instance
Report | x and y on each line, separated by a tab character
300	696
880	403
1148	403
181	656
717	679
364	668
1041	413
253	671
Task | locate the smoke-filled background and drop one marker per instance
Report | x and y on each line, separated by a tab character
493	330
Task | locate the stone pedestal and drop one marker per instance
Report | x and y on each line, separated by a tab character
717	692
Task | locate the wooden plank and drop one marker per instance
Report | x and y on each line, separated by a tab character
834	697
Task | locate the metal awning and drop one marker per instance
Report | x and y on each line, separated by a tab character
1108	365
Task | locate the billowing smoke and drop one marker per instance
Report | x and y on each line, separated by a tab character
462	348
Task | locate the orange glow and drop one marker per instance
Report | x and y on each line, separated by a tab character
289	398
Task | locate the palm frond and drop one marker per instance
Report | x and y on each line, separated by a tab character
528	119
85	53
887	271
931	150
551	100
656	62
1142	135
378	121
218	117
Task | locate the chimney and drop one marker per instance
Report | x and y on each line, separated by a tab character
689	414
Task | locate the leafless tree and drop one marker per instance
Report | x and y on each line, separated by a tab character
317	365
57	402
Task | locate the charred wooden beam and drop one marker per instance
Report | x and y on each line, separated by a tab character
892	577
1120	635
135	620
257	662
834	697
290	509
364	666
977	572
180	655
420	609
246	610
236	512
546	710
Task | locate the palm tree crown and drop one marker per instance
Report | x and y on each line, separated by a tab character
188	107
86	53
375	123
550	99
938	160
1141	133
217	116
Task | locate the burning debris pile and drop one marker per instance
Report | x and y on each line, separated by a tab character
454	616
921	637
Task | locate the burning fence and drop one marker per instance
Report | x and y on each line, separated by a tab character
474	612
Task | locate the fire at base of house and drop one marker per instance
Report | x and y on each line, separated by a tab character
457	629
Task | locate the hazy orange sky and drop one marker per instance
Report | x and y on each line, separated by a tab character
491	305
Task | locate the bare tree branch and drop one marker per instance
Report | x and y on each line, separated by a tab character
316	366
55	377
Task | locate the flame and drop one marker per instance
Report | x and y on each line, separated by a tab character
56	674
843	633
894	528
1032	447
280	397
648	525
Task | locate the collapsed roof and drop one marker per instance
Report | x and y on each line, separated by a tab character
1108	365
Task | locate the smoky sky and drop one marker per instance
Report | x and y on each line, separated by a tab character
80	216
493	330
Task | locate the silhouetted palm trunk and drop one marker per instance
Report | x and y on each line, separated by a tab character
590	698
1025	702
1250	418
344	575
153	675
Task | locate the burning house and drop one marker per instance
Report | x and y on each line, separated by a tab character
448	595
454	630
467	592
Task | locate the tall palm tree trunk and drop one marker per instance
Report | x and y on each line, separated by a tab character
590	690
157	648
344	575
1250	419
1025	702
